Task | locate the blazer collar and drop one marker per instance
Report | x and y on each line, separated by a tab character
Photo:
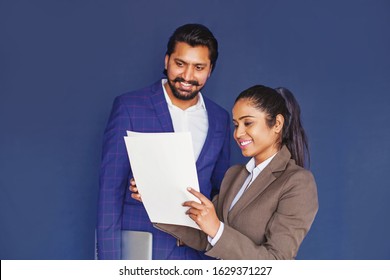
270	173
210	132
161	107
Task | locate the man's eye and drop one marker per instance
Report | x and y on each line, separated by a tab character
247	123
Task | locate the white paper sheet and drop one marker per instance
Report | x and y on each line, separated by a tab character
163	166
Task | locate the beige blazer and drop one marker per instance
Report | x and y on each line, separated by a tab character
269	221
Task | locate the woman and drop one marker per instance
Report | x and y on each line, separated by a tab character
264	209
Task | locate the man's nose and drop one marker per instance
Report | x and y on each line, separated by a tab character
188	74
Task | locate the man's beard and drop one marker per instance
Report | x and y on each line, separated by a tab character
177	94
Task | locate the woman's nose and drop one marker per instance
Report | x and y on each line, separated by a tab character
239	132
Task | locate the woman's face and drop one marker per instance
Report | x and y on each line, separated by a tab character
252	133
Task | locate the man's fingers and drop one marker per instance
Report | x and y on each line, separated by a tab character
132	187
136	196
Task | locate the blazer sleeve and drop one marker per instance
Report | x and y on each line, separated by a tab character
297	207
191	237
114	174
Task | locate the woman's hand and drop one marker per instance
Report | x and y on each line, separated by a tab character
134	190
203	213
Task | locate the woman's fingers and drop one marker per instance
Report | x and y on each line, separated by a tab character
193	204
204	200
198	211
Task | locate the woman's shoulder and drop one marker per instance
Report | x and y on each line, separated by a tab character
233	171
295	176
292	169
235	168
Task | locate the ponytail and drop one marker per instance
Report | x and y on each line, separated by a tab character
294	136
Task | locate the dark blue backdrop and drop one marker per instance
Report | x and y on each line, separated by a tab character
63	62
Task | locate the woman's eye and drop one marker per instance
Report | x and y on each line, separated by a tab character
247	123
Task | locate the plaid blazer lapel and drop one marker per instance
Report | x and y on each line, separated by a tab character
161	107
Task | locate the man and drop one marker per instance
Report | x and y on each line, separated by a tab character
171	104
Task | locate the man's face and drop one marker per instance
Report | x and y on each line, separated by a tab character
188	69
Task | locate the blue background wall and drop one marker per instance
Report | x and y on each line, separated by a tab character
63	62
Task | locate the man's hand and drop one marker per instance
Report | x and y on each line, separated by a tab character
134	191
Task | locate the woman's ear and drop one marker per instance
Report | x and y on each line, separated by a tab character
279	122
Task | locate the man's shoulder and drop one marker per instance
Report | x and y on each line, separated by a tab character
142	93
214	107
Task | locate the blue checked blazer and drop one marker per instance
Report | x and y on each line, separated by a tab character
146	110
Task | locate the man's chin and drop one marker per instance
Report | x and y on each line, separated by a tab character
182	94
185	95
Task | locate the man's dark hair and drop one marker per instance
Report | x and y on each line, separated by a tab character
194	35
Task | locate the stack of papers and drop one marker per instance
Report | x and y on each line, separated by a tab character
163	166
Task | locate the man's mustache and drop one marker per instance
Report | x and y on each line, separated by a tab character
181	80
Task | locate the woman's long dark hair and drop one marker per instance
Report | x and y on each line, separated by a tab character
281	101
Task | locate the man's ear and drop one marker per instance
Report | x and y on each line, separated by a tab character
166	61
211	70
